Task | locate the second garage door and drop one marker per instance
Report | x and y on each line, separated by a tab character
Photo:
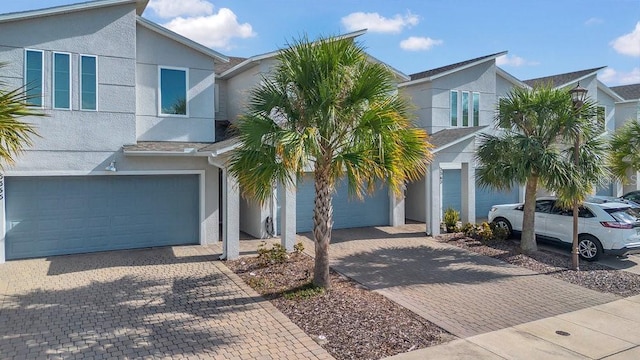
76	214
348	211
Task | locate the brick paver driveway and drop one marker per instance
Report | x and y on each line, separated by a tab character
169	302
462	292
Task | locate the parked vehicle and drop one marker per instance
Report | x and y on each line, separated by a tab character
606	227
632	196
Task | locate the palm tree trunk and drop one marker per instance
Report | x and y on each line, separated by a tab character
322	226
528	240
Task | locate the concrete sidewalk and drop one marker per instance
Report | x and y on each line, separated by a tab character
609	331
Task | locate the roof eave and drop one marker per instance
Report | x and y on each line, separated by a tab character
579	79
150	25
512	79
454	70
459	140
65	9
255	59
609	92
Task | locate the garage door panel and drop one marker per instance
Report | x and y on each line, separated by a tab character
348	211
64	215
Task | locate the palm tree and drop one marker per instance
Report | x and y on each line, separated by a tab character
14	134
625	150
539	127
326	106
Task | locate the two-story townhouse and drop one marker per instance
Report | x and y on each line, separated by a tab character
291	210
627	108
454	104
125	153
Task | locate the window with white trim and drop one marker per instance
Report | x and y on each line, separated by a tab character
172	91
454	108
88	82
464	105
33	76
61	81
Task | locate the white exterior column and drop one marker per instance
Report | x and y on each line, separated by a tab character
288	217
396	207
3	224
433	202
231	216
468	192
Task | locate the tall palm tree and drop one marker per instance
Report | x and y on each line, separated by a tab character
625	150
326	106
539	127
15	134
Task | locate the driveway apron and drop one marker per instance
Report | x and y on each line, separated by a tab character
175	302
462	292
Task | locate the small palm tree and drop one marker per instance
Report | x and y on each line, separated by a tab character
14	134
625	150
539	127
327	107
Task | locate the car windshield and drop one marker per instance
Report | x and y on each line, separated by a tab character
628	215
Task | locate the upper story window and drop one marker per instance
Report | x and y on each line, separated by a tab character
61	80
476	109
601	118
33	78
173	91
454	108
466	106
88	82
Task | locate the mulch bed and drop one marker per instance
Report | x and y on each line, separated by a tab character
349	321
591	275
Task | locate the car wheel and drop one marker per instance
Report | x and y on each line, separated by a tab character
589	247
503	223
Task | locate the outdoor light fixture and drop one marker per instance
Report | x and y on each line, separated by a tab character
112	166
578	95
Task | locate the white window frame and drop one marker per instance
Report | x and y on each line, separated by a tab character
53	76
186	80
80	81
41	74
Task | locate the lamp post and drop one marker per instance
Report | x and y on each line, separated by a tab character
578	96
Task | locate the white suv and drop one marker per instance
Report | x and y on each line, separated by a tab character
603	227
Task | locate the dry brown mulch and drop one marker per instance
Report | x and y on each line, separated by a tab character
349	321
591	275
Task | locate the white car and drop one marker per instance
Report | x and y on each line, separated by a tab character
603	227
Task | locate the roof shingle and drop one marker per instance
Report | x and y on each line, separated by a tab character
628	92
442	69
561	79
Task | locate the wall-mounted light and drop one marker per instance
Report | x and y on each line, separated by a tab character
112	166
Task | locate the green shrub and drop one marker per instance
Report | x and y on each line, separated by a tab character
298	248
277	254
485	232
305	291
468	229
450	219
499	234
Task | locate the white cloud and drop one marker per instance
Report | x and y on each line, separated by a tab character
628	44
415	43
513	60
593	21
376	23
612	77
173	8
214	31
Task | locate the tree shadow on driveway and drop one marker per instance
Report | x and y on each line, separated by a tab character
162	314
422	265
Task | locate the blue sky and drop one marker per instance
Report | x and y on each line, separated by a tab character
542	37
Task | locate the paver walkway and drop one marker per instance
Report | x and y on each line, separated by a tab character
463	292
155	303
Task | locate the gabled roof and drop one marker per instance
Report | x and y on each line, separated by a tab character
64	9
233	61
627	92
181	39
448	137
561	80
252	61
448	69
512	79
178	148
604	88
